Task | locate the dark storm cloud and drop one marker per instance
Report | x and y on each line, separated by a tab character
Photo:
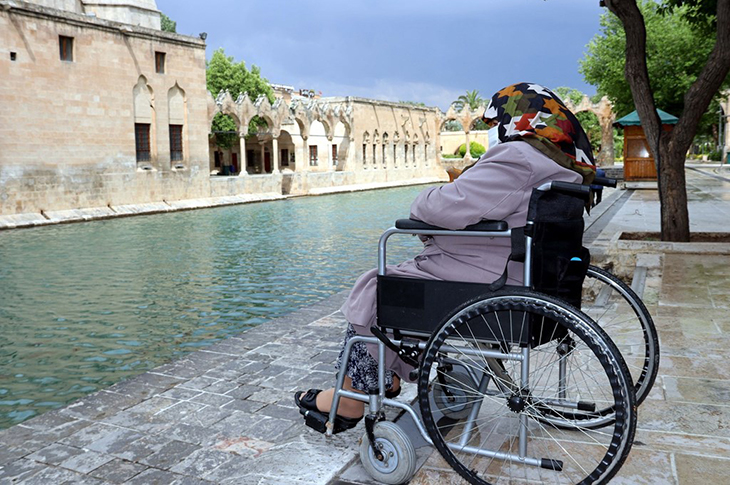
429	51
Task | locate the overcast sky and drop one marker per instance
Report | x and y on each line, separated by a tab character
399	50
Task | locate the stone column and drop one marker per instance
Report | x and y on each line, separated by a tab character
607	155
467	155
244	164
303	164
263	157
275	156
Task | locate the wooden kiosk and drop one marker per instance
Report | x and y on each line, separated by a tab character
638	159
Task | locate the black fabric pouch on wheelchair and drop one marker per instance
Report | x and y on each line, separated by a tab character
559	260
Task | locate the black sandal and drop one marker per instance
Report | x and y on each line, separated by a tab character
392	393
316	419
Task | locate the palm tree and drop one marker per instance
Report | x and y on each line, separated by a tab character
470	99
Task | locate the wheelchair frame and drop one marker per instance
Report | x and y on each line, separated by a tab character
376	400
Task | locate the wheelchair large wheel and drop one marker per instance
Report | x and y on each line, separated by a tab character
621	313
528	412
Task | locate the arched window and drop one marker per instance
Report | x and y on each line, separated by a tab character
144	122
176	115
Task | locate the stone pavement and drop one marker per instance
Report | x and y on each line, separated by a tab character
226	415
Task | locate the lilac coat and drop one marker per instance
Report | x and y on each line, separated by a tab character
498	187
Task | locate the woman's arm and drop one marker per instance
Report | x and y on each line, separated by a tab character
491	189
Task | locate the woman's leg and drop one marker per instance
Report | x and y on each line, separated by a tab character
348	408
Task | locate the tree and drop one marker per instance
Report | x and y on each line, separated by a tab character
471	99
167	24
223	74
669	148
676	52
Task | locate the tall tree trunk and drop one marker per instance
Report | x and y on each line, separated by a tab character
673	197
669	148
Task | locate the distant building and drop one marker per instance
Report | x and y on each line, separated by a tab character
101	109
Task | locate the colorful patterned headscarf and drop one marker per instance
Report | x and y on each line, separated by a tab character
534	114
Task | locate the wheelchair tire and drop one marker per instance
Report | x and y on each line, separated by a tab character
621	313
520	430
399	456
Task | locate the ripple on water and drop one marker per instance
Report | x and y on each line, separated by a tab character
86	305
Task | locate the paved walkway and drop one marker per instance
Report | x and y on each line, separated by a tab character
226	415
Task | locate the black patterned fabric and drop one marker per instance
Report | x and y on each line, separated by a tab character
362	368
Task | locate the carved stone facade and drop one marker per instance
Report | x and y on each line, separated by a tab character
98	113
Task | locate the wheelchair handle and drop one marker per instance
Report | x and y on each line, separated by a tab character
605	182
567	188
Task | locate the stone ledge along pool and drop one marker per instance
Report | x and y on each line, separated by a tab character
83	306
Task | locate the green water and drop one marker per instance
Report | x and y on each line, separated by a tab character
85	305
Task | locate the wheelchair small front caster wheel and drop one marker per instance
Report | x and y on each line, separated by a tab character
397	461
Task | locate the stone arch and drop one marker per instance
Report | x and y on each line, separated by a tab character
606	117
384	149
287	150
145	122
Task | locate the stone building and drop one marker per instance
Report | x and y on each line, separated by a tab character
104	114
99	107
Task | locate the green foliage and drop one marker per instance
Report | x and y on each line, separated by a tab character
453	125
565	93
167	24
450	155
413	103
590	125
715	155
479	125
618	144
223	74
471	99
225	131
676	52
700	13
475	149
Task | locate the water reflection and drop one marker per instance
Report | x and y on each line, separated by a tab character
85	305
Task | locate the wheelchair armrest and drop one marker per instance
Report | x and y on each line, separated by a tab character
490	226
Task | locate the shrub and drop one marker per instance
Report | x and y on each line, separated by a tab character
715	155
475	149
449	155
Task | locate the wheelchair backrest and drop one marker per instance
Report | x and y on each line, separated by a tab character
559	261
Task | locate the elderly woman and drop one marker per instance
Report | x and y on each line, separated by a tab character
538	140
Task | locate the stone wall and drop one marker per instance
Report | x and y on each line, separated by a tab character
68	133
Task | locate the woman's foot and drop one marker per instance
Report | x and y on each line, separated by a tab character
317	418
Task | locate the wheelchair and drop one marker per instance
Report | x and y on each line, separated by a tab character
515	383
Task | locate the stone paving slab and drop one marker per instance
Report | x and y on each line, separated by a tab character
225	414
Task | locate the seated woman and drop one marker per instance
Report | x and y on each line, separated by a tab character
540	140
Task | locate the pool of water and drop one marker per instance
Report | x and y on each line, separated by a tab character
85	305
